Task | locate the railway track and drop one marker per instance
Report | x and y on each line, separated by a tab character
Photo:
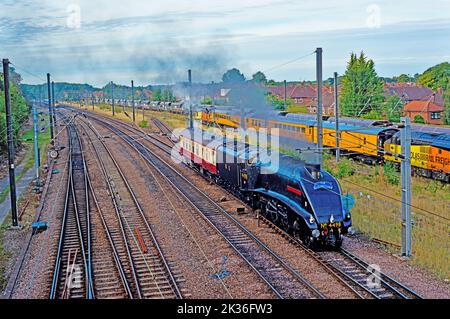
166	130
363	278
367	277
281	278
366	280
72	276
143	268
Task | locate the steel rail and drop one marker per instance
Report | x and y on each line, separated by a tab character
155	242
205	199
389	283
70	195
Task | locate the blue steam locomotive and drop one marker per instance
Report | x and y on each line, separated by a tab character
299	197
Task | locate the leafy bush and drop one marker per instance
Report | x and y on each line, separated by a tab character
372	115
20	112
434	186
419	119
143	124
345	168
391	174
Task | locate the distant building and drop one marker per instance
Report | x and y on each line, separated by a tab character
408	92
430	111
306	95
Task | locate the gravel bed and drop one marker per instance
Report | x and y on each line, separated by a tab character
35	278
412	276
186	239
421	281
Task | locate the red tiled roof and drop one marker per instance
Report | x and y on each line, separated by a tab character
422	106
411	92
302	91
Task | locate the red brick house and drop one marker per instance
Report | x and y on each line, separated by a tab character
306	95
428	110
409	92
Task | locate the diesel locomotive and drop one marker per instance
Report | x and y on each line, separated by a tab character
299	197
377	143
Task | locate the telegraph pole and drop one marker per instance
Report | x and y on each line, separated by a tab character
285	95
36	146
53	108
319	104
50	114
336	115
132	101
191	120
112	93
406	185
92	100
10	137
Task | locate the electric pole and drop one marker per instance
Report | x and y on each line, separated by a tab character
336	115
285	95
36	146
10	137
53	110
319	104
132	101
405	140
50	114
191	120
112	94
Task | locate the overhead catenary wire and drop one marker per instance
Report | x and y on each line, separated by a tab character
288	62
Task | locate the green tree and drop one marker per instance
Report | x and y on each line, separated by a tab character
19	109
233	76
167	96
157	95
393	108
362	90
446	96
403	78
206	101
259	77
277	102
419	119
435	78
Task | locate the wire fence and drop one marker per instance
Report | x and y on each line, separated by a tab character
379	217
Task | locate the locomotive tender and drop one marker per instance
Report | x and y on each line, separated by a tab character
299	197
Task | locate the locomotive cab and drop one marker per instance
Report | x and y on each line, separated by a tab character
305	200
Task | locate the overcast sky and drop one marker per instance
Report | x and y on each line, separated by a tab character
157	41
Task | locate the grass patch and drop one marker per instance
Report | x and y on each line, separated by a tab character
379	216
4	257
297	109
143	124
28	160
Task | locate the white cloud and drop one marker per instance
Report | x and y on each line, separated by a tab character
252	34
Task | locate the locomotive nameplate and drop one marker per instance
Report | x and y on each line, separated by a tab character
336	224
